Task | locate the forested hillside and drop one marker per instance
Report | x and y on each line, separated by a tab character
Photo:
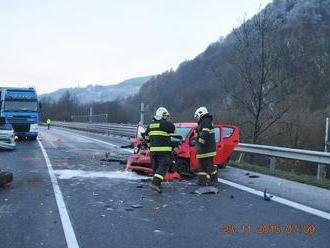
270	76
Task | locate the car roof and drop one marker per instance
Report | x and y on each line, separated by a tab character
194	124
186	124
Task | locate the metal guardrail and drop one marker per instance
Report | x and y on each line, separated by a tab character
126	130
283	152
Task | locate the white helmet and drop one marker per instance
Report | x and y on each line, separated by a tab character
162	113
200	112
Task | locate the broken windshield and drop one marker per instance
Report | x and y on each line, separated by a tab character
183	131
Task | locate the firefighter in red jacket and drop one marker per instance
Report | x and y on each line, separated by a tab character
158	136
206	148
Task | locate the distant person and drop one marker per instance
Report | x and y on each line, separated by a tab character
206	148
48	123
158	135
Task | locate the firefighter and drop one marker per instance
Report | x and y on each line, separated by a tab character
158	137
48	123
206	148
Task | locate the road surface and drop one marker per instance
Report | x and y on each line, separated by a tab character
64	196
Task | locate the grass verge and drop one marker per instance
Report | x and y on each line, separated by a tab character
283	174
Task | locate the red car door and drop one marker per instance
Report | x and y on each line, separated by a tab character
230	140
219	157
193	151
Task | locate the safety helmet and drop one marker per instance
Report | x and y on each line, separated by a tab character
200	112
162	113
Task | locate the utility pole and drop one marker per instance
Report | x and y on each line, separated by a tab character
326	139
321	168
90	114
142	114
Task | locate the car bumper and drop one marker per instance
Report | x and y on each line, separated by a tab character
29	134
7	146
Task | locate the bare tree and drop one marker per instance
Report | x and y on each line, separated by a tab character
260	88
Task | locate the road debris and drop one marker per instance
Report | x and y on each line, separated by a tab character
253	176
206	190
137	206
5	177
267	197
128	146
112	157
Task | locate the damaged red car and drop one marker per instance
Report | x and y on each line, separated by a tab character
184	152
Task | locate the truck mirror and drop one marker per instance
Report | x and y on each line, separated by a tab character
2	120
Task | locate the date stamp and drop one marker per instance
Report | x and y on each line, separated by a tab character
307	229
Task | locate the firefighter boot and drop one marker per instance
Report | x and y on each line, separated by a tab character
213	179
155	185
202	179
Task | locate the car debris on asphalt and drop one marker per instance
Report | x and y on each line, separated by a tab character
5	177
267	197
206	190
137	206
111	157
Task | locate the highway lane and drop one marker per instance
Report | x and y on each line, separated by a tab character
101	213
28	211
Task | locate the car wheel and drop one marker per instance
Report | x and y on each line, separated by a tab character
224	165
182	167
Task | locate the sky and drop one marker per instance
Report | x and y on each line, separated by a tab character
53	44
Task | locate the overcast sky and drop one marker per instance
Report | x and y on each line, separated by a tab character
53	44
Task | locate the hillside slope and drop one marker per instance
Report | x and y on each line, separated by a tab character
98	93
297	51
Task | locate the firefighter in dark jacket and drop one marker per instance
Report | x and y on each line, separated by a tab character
158	136
206	148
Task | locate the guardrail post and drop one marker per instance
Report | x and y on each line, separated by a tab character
272	164
241	157
321	169
321	172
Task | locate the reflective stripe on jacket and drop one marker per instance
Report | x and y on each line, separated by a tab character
206	146
158	135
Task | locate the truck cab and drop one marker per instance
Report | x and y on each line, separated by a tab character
20	108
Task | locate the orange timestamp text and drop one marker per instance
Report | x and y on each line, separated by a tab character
308	229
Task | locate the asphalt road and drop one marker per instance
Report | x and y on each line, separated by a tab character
108	207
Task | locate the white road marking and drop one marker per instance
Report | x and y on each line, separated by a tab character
278	199
70	236
99	141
